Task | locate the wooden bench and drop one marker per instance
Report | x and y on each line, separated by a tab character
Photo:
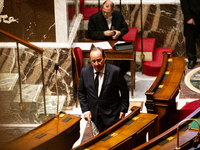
168	139
162	94
125	134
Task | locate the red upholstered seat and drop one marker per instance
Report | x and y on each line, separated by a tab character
152	68
71	12
148	45
184	111
78	59
86	11
131	35
191	105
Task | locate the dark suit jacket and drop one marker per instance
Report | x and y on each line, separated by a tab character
190	8
98	24
110	103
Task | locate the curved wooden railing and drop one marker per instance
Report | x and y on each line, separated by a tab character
22	41
29	45
167	139
160	97
149	93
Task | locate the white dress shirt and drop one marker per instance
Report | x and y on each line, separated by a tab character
109	22
100	77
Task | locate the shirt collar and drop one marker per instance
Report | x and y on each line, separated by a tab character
102	71
109	18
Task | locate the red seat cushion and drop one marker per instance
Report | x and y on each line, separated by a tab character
192	105
87	12
79	59
131	35
71	12
152	68
149	45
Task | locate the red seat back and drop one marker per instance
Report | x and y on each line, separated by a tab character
131	35
79	59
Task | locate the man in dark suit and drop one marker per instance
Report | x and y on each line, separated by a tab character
107	24
191	12
109	101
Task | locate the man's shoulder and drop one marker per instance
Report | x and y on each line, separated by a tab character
117	13
112	67
86	68
96	15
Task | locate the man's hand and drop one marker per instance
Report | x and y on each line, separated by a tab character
87	116
122	115
109	33
191	21
117	34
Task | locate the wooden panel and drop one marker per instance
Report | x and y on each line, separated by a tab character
166	92
162	94
35	20
125	132
127	136
49	135
168	139
177	63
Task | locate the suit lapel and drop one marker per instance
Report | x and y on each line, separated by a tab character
106	76
91	80
103	22
113	22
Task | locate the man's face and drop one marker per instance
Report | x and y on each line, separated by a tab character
97	60
107	11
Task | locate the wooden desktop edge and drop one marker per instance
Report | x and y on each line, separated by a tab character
135	111
166	133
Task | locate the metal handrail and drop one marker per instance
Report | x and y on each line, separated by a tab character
40	50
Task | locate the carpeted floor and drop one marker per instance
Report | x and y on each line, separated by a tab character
186	92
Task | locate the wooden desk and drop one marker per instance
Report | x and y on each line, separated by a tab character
112	54
52	134
125	134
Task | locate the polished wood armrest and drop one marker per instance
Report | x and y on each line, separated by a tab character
149	93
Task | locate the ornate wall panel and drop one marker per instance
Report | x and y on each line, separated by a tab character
30	20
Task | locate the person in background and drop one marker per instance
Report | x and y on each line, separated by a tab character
109	24
191	12
103	92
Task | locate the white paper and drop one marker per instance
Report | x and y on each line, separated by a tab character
82	45
119	42
103	45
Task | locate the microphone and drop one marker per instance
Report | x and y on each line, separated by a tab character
56	67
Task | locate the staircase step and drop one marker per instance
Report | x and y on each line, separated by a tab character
131	35
30	93
152	68
51	105
8	81
148	49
